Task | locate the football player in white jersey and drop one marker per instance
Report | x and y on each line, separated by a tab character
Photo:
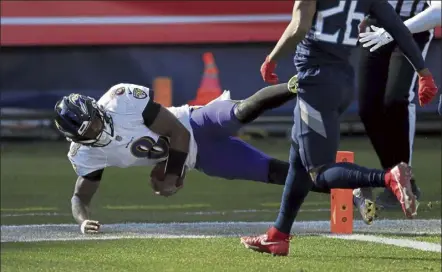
126	128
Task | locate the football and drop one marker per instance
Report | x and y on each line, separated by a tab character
158	172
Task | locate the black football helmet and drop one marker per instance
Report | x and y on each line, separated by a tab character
81	120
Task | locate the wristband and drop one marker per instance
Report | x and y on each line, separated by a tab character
175	162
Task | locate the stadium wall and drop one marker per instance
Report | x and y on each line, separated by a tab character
35	77
53	48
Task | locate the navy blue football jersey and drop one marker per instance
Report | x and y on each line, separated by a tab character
334	31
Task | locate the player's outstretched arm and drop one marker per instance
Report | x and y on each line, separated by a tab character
301	22
302	17
164	123
85	188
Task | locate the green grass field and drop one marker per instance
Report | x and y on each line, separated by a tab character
220	254
37	183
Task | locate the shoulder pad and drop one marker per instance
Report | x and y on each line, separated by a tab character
126	98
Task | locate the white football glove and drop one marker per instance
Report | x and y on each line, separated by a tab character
376	38
90	227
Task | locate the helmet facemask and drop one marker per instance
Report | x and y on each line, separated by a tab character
99	131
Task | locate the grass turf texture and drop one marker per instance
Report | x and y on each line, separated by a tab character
37	178
312	253
37	182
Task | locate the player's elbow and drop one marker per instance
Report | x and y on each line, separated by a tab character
299	29
303	29
75	199
80	199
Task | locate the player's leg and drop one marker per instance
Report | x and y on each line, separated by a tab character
225	117
400	113
319	159
298	182
317	134
315	142
216	119
315	137
372	80
232	158
265	99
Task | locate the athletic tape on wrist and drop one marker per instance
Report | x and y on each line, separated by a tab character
176	162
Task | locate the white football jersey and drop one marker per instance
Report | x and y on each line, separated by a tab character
125	104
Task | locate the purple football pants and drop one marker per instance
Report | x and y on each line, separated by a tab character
220	154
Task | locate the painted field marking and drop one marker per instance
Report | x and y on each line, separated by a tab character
70	232
157	207
310	203
249	211
34	214
29	209
170	208
425	246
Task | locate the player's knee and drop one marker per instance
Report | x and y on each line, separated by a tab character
314	173
278	171
241	111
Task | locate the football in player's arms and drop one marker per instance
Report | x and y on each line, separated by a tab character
158	174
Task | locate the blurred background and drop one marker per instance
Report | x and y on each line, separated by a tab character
187	52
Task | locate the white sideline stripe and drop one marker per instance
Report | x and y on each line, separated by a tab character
425	246
145	20
70	232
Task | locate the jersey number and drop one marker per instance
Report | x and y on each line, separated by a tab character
146	147
351	16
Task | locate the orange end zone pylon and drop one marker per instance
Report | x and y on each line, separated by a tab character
341	220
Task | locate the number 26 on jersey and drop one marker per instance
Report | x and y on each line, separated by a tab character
352	15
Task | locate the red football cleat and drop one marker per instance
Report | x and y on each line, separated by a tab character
273	242
398	181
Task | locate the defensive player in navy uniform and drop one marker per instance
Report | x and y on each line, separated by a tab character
386	90
323	33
